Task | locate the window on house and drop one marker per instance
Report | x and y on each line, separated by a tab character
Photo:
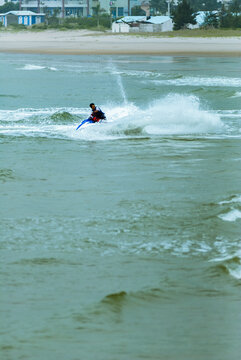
113	12
80	11
120	11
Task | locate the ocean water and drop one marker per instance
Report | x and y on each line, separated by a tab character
122	240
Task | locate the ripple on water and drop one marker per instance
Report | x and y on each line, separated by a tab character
6	175
232	207
230	265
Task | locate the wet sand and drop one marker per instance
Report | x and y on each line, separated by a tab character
87	42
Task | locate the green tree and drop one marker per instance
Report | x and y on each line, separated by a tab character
54	20
97	12
223	15
235	7
9	6
229	18
211	20
183	15
47	13
137	11
158	6
204	5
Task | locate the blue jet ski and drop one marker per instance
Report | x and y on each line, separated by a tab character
86	121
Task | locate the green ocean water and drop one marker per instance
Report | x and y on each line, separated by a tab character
122	240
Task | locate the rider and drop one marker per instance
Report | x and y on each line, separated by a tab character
97	114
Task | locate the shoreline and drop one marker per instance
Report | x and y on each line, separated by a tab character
84	42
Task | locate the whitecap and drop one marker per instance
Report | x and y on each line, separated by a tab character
231	216
237	94
179	114
236	273
231	263
201	81
37	67
172	115
236	199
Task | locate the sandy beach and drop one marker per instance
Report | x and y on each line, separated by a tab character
88	42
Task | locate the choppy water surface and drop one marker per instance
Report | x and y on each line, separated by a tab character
122	240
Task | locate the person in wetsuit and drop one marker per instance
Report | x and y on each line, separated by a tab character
97	114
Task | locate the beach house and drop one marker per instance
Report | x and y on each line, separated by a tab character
143	24
75	8
27	18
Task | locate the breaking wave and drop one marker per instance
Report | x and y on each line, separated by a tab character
237	94
201	81
230	265
172	115
232	209
38	67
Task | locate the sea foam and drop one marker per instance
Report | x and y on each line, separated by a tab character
232	215
172	115
201	81
38	67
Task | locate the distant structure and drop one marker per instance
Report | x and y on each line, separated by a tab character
168	7
135	24
79	8
225	2
72	8
26	18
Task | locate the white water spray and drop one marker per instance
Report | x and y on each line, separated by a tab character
114	71
173	115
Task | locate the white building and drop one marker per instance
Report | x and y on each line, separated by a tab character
77	8
117	8
26	18
225	2
142	24
72	7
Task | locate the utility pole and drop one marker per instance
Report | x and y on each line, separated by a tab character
110	3
88	7
168	7
63	9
